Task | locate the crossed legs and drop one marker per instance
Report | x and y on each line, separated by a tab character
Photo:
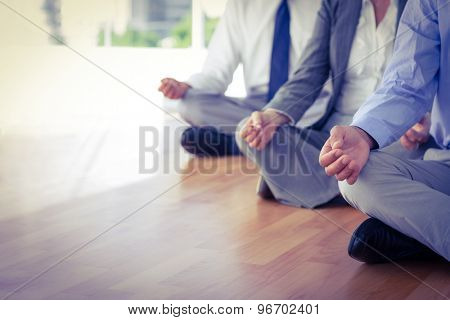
290	168
202	109
411	196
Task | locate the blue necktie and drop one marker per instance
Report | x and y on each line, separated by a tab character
279	65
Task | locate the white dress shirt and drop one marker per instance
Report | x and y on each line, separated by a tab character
245	35
371	50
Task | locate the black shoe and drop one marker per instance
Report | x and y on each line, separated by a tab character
263	190
375	242
209	142
336	201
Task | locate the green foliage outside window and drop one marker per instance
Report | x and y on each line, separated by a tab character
181	34
131	38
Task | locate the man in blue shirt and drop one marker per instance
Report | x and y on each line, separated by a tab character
408	200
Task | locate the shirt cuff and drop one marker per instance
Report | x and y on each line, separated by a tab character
378	130
195	82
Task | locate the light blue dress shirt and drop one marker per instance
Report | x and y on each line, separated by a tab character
417	76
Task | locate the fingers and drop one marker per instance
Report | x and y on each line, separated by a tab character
253	129
258	138
353	178
325	149
247	128
413	135
175	93
257	119
327	158
266	137
337	166
418	127
254	133
163	86
339	160
170	88
166	88
337	135
426	120
407	144
256	141
418	133
345	172
422	135
351	171
165	82
170	92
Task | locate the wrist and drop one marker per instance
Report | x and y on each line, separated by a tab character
367	138
277	117
185	85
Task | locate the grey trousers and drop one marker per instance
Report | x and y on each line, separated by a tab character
200	108
411	196
289	165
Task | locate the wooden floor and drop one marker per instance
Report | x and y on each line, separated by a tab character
194	236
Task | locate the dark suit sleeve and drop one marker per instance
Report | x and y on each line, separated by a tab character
300	92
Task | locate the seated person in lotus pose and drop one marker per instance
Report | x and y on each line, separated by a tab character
353	41
408	200
268	38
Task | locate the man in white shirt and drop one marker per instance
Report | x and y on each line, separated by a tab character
246	34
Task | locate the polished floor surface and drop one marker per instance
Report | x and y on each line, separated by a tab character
200	233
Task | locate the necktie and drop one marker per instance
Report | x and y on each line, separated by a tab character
279	65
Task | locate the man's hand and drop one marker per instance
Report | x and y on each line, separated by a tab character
418	134
259	129
346	152
173	89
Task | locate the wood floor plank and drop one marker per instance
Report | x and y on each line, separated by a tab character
208	237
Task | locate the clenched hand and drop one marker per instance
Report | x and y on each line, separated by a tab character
173	89
259	129
345	153
418	134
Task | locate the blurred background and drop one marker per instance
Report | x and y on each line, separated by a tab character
70	113
125	23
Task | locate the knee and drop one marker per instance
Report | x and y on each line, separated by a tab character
277	155
183	108
350	193
363	194
192	110
242	144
